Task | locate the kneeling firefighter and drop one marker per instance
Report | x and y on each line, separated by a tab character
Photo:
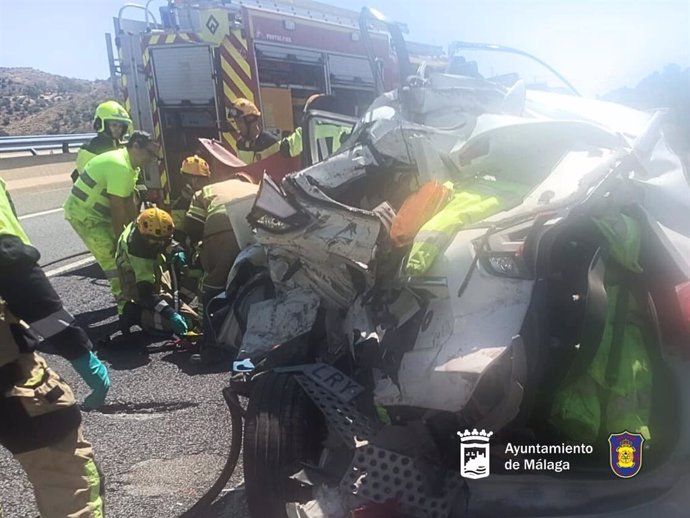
40	422
142	252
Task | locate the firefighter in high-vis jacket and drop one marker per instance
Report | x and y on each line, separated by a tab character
101	202
110	122
40	422
253	142
142	252
217	223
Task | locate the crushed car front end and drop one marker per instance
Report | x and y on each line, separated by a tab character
370	352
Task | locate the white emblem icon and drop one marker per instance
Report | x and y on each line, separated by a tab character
474	453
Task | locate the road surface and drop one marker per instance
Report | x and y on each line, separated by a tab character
163	435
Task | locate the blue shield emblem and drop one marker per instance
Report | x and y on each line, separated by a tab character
626	453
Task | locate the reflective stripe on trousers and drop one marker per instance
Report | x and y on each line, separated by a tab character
53	324
46	438
65	478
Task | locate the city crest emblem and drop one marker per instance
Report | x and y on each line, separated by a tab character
474	453
626	453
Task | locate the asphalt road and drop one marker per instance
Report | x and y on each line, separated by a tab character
163	435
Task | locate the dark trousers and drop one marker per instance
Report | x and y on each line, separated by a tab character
30	297
209	335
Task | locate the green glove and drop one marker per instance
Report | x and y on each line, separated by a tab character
178	324
179	258
94	373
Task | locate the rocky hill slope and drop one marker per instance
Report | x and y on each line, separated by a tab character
37	103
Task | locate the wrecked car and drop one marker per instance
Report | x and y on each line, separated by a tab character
477	259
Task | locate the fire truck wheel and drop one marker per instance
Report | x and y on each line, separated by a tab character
282	428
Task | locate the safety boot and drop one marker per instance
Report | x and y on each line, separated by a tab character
208	356
130	316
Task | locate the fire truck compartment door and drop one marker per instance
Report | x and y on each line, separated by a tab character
183	74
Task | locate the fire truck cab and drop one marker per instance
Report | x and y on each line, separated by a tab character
179	71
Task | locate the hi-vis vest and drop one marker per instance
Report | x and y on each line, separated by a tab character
614	393
107	174
134	268
9	224
84	156
472	201
101	143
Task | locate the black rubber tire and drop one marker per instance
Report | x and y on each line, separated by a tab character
282	428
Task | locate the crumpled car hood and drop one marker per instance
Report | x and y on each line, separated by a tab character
451	129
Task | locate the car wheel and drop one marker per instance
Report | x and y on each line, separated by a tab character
282	429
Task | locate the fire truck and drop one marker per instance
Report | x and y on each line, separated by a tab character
178	70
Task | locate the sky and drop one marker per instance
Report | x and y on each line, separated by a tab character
599	45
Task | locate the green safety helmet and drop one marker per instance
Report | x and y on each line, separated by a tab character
110	111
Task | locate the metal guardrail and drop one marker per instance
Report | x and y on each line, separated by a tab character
35	143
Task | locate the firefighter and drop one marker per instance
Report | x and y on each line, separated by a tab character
40	422
253	143
111	122
101	202
197	174
331	134
217	218
141	255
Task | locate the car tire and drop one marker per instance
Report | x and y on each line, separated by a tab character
282	428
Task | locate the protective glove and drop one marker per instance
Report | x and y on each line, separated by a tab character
94	373
179	258
178	323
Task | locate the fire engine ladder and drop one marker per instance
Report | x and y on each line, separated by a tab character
114	65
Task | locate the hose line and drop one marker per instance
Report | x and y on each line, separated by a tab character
236	421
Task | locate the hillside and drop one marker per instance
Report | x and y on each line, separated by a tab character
668	89
37	103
